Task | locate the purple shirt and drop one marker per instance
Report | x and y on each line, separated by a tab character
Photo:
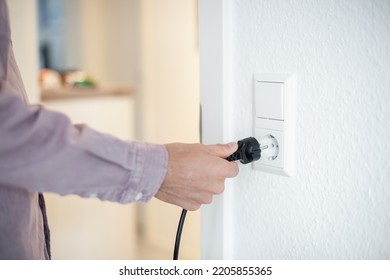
41	151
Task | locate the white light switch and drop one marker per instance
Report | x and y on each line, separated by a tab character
269	100
274	122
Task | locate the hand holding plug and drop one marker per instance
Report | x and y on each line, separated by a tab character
246	150
196	173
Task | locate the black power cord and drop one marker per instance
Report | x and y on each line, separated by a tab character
248	150
178	234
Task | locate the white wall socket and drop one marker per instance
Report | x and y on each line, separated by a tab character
274	122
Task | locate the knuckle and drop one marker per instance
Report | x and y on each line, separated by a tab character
205	198
221	188
228	171
193	207
218	188
222	172
208	199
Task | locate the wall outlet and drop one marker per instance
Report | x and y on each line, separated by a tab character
274	122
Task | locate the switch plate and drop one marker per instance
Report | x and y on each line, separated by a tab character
274	118
269	100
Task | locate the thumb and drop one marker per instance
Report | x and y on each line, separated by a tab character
223	150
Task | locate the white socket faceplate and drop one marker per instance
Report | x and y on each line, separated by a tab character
274	119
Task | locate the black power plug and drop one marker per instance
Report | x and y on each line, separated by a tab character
248	150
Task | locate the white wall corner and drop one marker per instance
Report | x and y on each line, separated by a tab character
215	60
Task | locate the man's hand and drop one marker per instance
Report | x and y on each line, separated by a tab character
195	173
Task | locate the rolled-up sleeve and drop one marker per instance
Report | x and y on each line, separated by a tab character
41	151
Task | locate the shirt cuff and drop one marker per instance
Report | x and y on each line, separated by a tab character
151	168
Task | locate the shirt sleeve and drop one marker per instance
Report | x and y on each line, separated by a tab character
41	151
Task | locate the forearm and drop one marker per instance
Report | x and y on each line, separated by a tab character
42	151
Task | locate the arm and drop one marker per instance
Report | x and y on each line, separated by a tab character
42	151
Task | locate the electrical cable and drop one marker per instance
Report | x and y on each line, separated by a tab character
248	150
178	234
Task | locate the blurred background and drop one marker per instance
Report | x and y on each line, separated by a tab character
128	68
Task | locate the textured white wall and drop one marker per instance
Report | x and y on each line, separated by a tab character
338	204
